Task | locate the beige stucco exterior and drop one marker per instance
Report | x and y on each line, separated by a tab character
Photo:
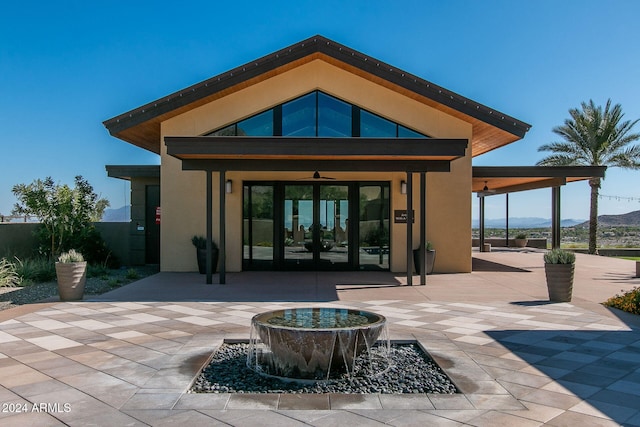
183	192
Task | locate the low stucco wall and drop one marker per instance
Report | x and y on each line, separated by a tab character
502	243
17	239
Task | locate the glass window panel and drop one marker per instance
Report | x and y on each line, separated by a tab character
334	117
334	212
374	227
404	132
298	224
227	131
299	116
258	125
373	126
258	225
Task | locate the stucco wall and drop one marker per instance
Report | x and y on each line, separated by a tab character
18	239
183	192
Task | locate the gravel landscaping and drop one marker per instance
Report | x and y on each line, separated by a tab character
48	291
410	371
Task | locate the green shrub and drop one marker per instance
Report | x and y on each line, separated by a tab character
8	275
628	301
132	274
559	256
97	270
200	242
38	270
90	242
521	236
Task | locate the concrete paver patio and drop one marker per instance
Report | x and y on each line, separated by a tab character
128	357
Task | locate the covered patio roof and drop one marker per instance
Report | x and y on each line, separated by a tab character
311	153
511	179
127	172
227	153
493	180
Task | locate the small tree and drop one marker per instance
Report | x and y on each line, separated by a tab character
594	136
65	213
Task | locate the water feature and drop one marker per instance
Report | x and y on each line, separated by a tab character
315	343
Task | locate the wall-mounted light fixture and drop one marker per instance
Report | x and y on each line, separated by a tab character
403	187
229	187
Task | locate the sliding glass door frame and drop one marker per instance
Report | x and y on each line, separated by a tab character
280	261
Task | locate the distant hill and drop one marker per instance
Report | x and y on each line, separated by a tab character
122	214
631	219
529	222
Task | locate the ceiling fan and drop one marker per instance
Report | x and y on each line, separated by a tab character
486	191
316	175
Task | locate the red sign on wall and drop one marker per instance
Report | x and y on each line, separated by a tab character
158	215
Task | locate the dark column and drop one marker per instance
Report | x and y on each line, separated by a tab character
507	218
223	239
209	199
423	228
481	224
409	229
555	217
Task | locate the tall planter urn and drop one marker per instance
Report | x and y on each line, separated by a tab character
201	254
430	259
559	268
71	272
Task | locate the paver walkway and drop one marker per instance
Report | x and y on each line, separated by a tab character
128	357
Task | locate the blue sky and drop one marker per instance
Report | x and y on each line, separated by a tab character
67	66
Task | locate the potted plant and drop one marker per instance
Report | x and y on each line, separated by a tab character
429	261
201	252
559	266
521	240
71	272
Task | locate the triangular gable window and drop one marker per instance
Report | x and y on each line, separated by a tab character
317	115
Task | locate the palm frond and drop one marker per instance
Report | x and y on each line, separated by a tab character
594	136
559	160
629	158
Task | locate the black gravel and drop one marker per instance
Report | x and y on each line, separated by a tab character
410	371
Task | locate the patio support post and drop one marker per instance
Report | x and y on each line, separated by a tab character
555	217
423	227
507	218
223	239
481	224
209	202
409	229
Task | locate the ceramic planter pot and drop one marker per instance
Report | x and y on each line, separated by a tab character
559	281
430	260
202	260
521	243
72	277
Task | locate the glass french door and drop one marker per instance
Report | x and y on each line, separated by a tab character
315	219
306	226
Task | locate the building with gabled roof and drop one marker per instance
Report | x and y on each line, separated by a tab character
316	157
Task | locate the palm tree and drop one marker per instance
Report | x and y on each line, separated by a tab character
594	137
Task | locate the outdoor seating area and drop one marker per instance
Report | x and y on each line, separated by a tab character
128	357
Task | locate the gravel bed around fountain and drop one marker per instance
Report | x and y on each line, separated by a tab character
410	371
